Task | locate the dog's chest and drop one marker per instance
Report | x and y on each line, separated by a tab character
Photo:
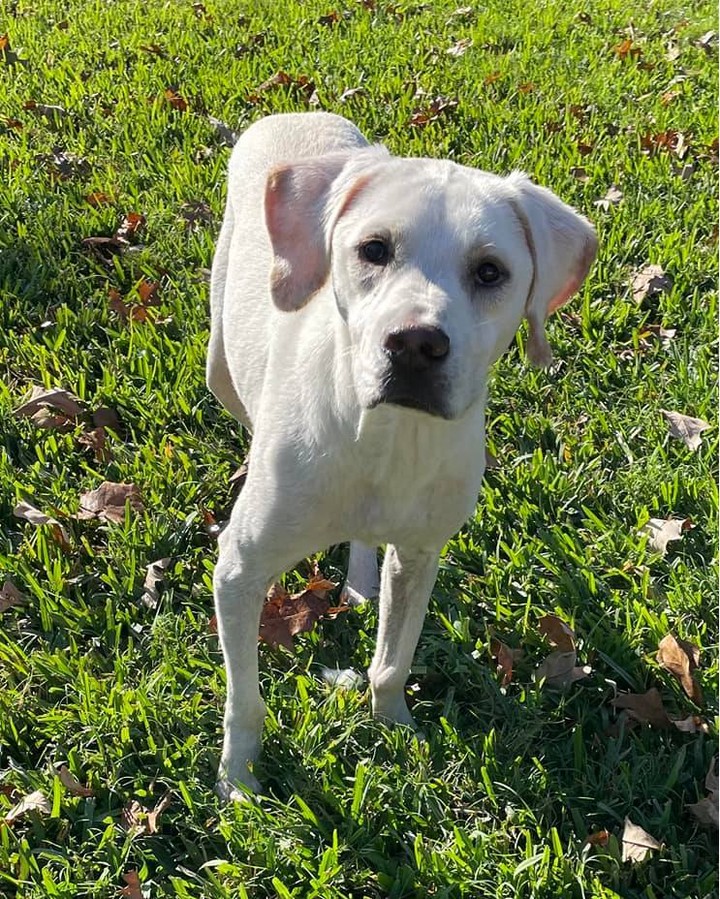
413	485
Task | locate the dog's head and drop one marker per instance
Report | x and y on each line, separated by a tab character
433	267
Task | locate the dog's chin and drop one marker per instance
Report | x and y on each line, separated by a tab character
424	404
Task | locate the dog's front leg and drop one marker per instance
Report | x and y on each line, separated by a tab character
407	581
254	550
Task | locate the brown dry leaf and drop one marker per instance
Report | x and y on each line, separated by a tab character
96	440
285	615
108	502
152	817
527	87
35	516
332	18
7	54
613	196
506	658
492	77
10	596
176	100
693	724
41	399
105	417
686	428
559	671
33	802
98	198
649	281
147	291
132	223
681	659
71	783
706	810
431	113
155	574
133	890
599	838
637	843
647	708
627	48
557	632
196	213
580	174
662	530
126	311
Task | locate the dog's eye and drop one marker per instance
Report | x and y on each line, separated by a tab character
487	274
375	251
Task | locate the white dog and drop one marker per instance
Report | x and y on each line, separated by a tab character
358	302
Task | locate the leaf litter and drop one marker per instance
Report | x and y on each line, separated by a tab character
685	428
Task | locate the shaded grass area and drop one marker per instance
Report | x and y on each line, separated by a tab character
500	797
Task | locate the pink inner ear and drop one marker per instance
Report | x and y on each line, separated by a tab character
293	215
573	285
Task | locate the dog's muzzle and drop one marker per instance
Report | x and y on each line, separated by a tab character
415	377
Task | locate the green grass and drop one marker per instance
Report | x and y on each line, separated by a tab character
499	799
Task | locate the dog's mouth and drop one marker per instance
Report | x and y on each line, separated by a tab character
420	403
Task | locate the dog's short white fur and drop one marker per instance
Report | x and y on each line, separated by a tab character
358	301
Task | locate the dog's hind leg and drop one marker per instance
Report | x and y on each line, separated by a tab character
407	581
363	578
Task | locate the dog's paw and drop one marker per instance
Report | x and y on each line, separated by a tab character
247	791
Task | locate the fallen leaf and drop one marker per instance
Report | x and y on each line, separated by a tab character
108	502
557	632
285	615
580	174
351	92
599	838
431	113
637	843
686	428
33	802
345	678
627	49
152	816
176	100
133	890
131	224
613	196
706	41
71	783
646	708
459	48
681	659
10	596
332	18
196	213
706	810
7	54
155	574
492	77
225	133
665	334
29	513
693	724
506	658
649	281
64	165
98	198
662	530
559	671
53	398
96	440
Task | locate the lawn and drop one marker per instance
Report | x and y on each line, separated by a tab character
115	127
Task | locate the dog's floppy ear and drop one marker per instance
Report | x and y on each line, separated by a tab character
296	216
562	244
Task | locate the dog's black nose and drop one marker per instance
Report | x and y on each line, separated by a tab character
417	347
